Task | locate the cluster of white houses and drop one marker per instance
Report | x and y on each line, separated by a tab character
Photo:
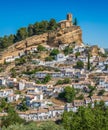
9	95
54	112
82	83
35	94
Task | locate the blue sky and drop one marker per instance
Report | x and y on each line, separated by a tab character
92	16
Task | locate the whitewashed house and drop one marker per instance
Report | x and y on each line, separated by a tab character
33	49
41	74
95	98
5	92
58	111
32	90
78	49
70	107
32	97
78	103
87	100
9	59
58	89
21	53
83	58
29	84
60	57
13	97
2	81
103	83
21	85
11	82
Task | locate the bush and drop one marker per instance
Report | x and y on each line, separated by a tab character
20	61
101	92
65	81
41	48
68	95
68	50
87	118
80	64
11	118
46	79
54	52
77	54
49	58
80	97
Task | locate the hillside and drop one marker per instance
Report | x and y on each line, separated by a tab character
52	75
66	33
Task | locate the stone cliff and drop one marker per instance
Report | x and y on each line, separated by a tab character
66	36
55	38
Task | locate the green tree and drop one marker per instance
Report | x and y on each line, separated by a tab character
3	104
4	42
23	106
80	64
50	126
30	30
13	73
91	90
88	64
49	58
36	28
32	126
68	50
106	67
77	54
66	81
14	127
101	92
20	61
43	27
68	95
52	25
75	22
59	82
87	118
40	27
47	78
80	97
21	34
11	118
54	52
41	48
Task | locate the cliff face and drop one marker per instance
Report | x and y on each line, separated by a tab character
32	41
55	38
94	50
23	45
66	36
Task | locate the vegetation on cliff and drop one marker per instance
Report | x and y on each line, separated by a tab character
24	32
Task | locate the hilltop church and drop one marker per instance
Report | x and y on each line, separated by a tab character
66	23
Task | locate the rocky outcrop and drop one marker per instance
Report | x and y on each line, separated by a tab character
32	41
62	36
94	50
66	36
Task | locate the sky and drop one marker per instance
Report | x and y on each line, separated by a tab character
92	16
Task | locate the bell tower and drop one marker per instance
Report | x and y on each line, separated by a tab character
69	17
